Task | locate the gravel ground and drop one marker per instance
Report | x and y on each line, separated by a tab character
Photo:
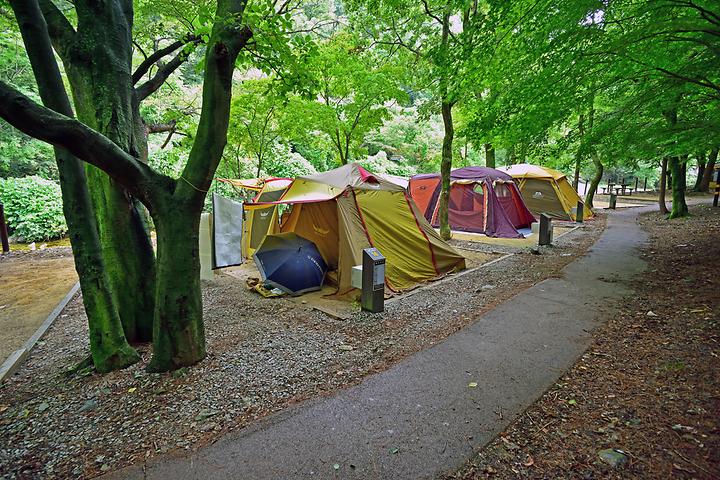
644	400
263	355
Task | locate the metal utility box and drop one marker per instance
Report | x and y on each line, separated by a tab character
546	230
372	298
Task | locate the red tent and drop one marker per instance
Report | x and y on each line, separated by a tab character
482	200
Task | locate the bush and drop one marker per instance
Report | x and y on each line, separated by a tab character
33	208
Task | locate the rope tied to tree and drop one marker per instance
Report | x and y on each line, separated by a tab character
193	186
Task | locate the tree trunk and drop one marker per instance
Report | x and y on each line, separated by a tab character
489	155
178	332
701	161
662	185
709	170
445	169
679	185
595	182
104	99
447	145
578	155
108	346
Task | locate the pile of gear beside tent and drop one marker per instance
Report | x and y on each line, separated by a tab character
313	229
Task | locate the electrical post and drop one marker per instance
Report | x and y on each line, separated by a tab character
372	298
545	236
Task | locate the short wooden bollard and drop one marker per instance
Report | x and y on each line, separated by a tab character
613	200
545	235
3	231
580	212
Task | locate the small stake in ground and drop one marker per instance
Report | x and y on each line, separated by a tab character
580	212
613	200
3	231
546	232
717	190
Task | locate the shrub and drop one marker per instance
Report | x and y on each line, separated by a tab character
33	208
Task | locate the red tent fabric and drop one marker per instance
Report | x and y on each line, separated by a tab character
482	200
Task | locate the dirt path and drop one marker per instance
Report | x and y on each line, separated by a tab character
647	392
31	285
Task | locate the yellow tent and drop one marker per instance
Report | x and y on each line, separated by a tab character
259	220
546	191
347	209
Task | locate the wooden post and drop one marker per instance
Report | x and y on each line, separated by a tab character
585	189
3	231
717	189
580	212
546	233
637	180
613	200
645	185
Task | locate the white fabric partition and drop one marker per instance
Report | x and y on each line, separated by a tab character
227	232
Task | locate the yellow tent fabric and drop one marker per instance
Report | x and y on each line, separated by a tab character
347	209
546	190
260	219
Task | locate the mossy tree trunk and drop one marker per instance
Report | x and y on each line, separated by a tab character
679	185
445	169
175	205
662	186
99	68
446	106
701	163
108	346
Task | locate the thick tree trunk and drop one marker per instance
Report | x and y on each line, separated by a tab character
445	169
679	185
489	155
709	170
108	346
597	176
104	98
179	335
701	161
662	186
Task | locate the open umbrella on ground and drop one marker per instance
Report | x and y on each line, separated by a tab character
291	263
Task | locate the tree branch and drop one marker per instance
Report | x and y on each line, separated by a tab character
154	57
77	138
149	87
59	27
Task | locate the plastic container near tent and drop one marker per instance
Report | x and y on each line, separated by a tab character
546	191
482	200
260	220
347	209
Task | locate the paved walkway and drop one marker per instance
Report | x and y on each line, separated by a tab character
420	418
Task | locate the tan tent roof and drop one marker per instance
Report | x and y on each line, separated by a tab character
526	170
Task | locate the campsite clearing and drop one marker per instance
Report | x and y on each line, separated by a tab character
263	355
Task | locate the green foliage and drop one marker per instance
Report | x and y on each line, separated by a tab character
33	208
21	155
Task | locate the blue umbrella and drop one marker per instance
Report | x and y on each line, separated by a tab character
291	263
